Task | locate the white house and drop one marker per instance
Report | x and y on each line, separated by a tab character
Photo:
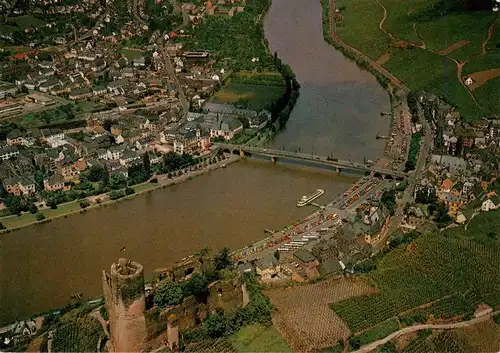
490	204
469	81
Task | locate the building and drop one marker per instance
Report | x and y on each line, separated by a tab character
491	203
191	141
40	99
325	250
7	89
8	152
226	127
83	93
125	300
20	186
54	183
128	157
8	109
267	267
308	262
15	138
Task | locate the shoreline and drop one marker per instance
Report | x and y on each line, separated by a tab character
94	205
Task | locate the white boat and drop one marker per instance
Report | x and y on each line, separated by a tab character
307	199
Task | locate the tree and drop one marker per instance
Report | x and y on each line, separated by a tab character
168	293
277	255
13	204
222	259
97	173
388	199
84	203
215	325
33	209
197	286
146	163
40	216
442	216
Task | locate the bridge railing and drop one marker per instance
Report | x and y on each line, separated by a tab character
337	163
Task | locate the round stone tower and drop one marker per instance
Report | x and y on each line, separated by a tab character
125	302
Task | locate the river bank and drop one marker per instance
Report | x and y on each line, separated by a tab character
14	222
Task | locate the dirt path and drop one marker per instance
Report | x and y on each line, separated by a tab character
491	30
333	33
370	347
382	21
423	45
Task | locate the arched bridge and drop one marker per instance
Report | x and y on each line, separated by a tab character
338	164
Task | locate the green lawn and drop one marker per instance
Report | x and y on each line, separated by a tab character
256	97
380	331
366	37
17	221
259	338
423	70
434	267
131	54
143	187
488	95
26	21
481	63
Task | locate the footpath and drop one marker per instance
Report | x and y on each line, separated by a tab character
372	346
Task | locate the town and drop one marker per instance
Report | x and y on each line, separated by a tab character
133	97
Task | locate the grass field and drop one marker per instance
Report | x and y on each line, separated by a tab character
26	21
259	338
433	268
436	27
131	54
255	96
17	221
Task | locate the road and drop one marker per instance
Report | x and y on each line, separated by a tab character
372	346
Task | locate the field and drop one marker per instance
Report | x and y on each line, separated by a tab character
425	40
254	92
446	275
258	338
303	315
131	54
81	335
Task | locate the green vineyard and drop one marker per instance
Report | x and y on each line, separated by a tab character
81	335
455	270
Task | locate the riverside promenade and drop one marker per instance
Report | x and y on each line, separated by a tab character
329	217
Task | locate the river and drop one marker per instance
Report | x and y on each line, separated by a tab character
337	113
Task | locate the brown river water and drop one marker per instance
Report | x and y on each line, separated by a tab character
337	113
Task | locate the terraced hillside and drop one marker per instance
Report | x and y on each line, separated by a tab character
430	45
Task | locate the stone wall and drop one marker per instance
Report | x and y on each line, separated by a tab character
223	294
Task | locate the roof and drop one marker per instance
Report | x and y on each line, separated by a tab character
128	154
268	261
447	183
304	255
15	134
328	267
8	149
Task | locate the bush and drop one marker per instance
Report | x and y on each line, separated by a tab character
154	180
40	216
129	191
33	209
84	203
168	293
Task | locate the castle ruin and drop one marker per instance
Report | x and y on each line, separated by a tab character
125	302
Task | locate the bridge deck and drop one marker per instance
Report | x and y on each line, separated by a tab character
308	157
